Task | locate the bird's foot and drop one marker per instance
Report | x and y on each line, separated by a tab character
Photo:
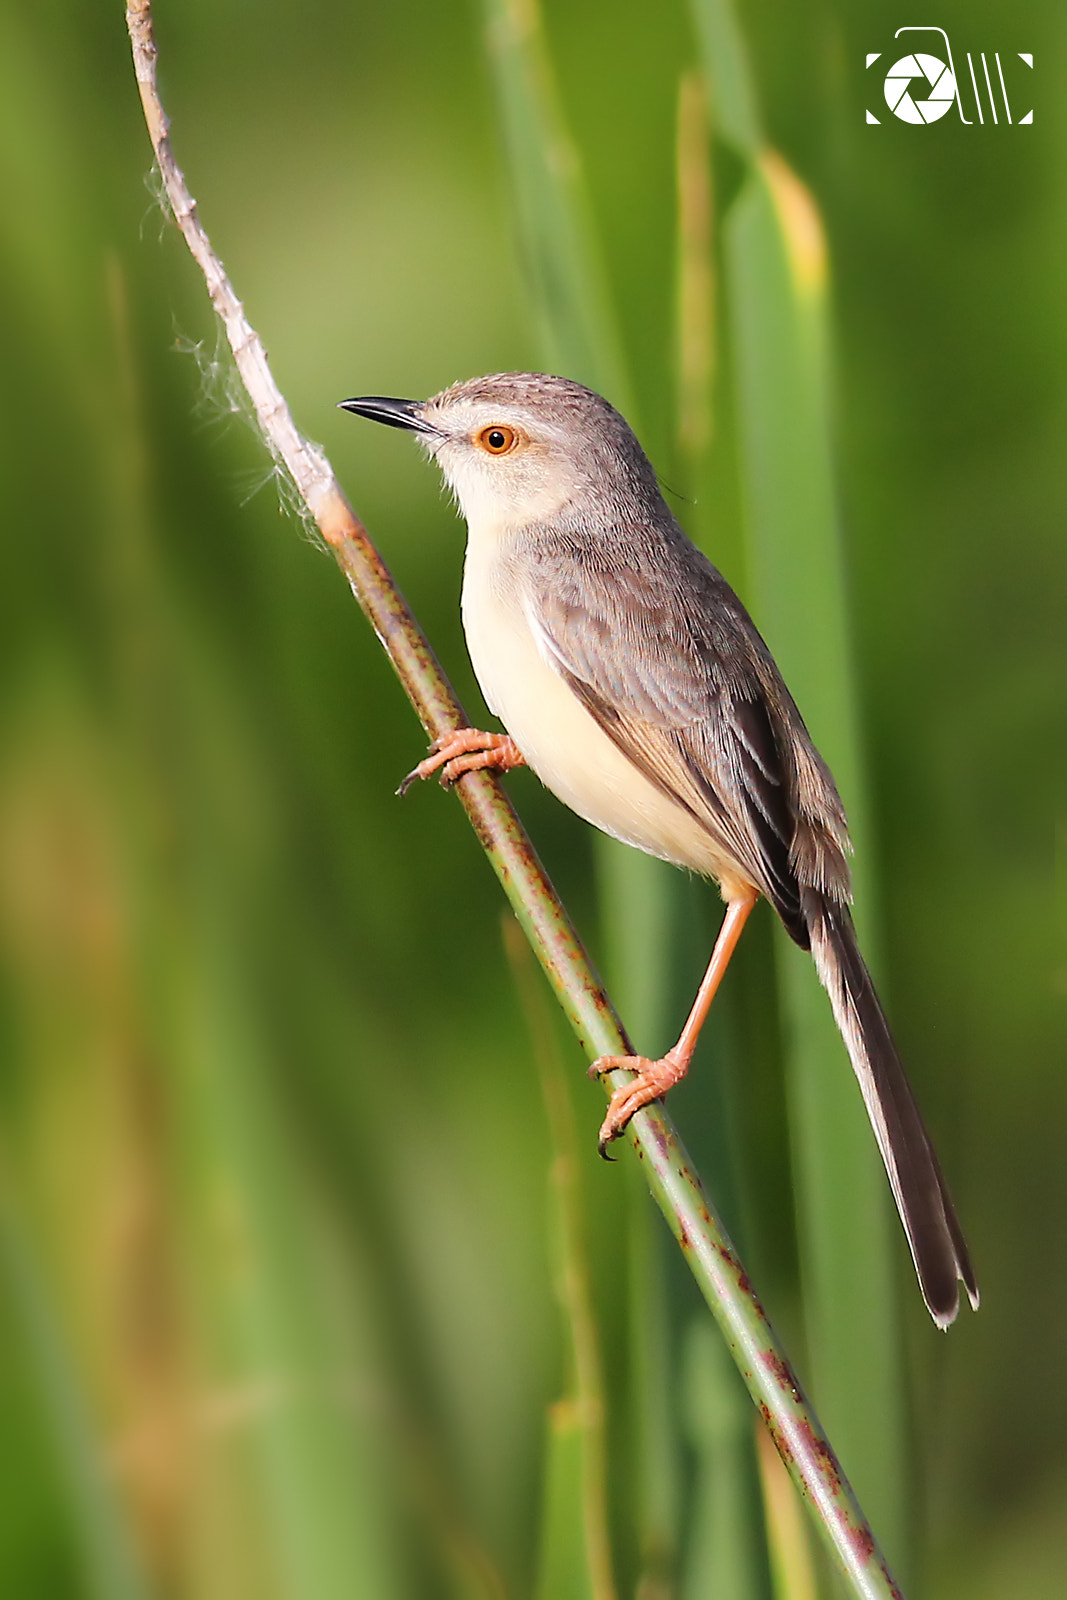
653	1080
465	750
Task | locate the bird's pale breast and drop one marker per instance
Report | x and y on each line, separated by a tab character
557	736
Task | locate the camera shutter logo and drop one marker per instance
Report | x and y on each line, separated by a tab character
921	88
933	75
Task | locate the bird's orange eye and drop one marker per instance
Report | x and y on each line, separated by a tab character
497	440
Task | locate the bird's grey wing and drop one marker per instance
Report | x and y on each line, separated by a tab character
663	655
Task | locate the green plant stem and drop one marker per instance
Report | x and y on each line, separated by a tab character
581	1412
674	1184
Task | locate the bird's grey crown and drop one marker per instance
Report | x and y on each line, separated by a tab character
541	390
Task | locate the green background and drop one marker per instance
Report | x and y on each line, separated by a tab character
276	1310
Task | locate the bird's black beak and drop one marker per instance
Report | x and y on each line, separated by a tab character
394	413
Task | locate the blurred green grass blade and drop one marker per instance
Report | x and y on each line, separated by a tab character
726	1555
576	1540
729	74
47	228
110	1567
287	1348
776	276
640	904
638	895
652	1395
695	282
563	1565
569	289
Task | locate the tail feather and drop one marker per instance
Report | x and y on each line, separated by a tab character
926	1210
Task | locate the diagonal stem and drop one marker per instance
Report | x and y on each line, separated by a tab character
675	1185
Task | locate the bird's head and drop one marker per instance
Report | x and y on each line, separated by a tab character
522	447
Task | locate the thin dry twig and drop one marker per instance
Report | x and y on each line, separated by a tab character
675	1185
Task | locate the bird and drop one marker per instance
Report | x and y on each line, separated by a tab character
630	677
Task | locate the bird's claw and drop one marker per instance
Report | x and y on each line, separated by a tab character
425	769
651	1081
464	750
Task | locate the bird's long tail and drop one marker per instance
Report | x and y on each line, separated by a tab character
924	1203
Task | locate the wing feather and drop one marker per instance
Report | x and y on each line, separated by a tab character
666	659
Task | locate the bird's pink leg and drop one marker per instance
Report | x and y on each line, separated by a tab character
654	1078
465	750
